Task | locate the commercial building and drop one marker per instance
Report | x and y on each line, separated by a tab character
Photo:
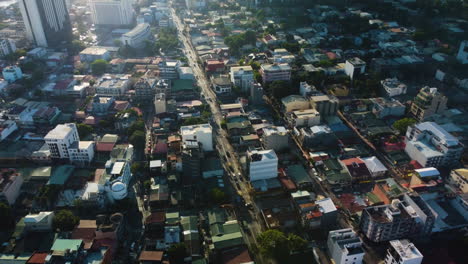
432	146
12	73
7	46
408	217
459	179
294	102
308	118
403	252
145	89
345	246
221	84
242	77
94	53
168	69
326	105
136	37
112	85
111	12
275	72
393	87
47	22
429	101
64	143
160	104
275	138
355	67
202	133
262	164
462	55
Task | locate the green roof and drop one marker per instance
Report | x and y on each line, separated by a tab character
172	218
181	85
109	138
227	240
298	174
66	244
61	174
216	216
189	222
13	259
240	125
38	173
250	137
373	198
336	173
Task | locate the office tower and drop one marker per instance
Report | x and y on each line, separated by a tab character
112	12
47	22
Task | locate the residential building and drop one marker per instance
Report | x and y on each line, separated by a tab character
375	166
64	143
462	55
136	37
202	133
102	104
145	89
191	160
65	250
459	179
242	77
383	107
46	115
94	53
393	87
429	101
317	136
355	67
47	22
160	104
306	89
12	73
213	66
262	164
221	84
151	257
432	146
275	138
345	247
308	118
195	4
10	186
39	222
186	73
294	102
111	12
163	86
7	46
357	169
408	217
326	105
256	94
403	252
7	127
112	85
275	72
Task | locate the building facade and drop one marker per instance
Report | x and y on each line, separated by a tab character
47	22
275	138
137	37
12	73
111	12
112	85
145	89
429	101
7	46
403	252
275	72
345	246
262	164
202	133
242	77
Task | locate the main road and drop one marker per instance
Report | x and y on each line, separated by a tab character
224	148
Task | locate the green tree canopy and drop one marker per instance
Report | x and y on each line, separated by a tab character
84	130
275	244
6	221
280	89
99	66
403	124
138	139
218	196
176	253
65	220
138	125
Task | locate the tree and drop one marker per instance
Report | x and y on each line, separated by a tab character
275	244
98	67
138	125
77	46
137	139
84	130
136	167
6	221
176	253
65	220
218	196
403	124
280	89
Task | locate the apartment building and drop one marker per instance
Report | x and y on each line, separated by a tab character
403	252
242	77
275	138
275	72
429	101
459	179
262	164
202	133
112	85
345	246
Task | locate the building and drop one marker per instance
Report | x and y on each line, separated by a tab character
191	160
408	217
306	89
195	4
275	138
262	164
7	127
242	77
357	169
294	102
202	133
275	72
160	104
47	22
393	87
137	37
163	86
383	107
429	101
403	252
256	94
308	118
345	246
94	53
111	12
12	73
39	222
459	179
7	46
432	146
221	84
64	143
168	69
102	104
112	85
317	136
326	105
355	67
145	89
462	55
10	186
375	166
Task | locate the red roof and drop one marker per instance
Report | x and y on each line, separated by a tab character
236	256
156	217
63	84
287	183
37	258
331	55
121	105
105	146
151	256
416	165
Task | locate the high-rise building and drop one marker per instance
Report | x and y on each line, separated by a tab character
191	160
47	22
7	46
242	77
112	12
345	246
403	252
429	101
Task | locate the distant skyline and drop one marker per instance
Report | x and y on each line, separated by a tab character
5	3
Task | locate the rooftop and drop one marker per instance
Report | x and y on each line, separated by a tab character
61	131
276	67
405	249
445	137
